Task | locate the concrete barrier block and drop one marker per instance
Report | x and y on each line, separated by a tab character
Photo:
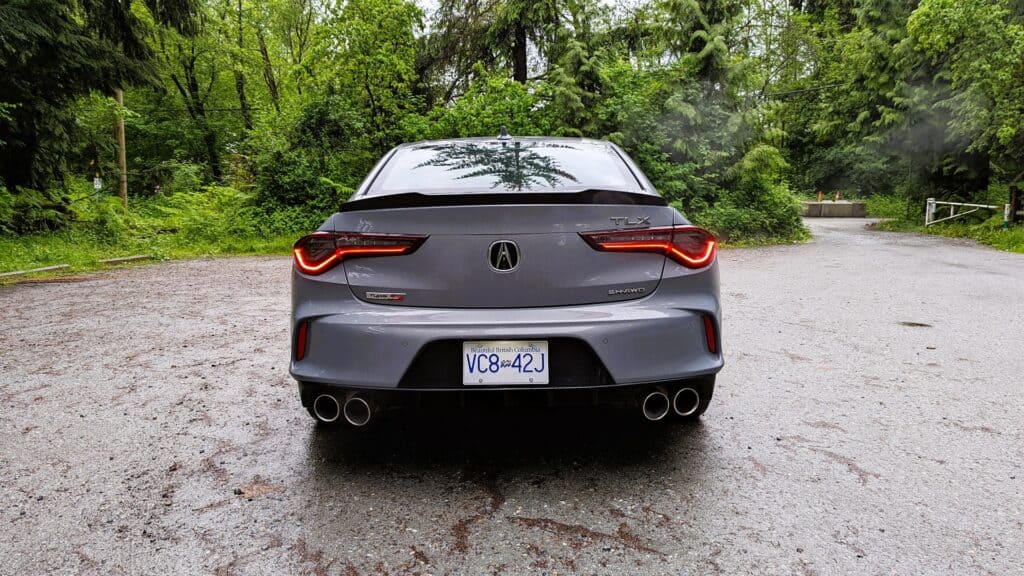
841	209
812	209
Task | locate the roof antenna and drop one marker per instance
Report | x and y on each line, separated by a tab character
503	134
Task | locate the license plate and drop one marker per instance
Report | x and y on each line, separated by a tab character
501	362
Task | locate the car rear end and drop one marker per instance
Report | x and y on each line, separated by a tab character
530	265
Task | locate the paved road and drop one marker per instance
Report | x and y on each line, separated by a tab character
869	421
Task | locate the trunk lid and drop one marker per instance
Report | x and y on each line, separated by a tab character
503	256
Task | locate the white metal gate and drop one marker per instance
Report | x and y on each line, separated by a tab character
933	204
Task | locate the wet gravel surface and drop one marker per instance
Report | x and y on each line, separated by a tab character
868	421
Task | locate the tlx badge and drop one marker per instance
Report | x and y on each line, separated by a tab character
631	220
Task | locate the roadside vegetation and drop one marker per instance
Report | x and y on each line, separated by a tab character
246	122
984	226
990	232
213	221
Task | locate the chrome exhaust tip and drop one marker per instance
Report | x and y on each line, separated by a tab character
357	411
655	406
326	408
686	401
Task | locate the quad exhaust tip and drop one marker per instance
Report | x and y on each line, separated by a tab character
326	408
686	401
655	406
357	411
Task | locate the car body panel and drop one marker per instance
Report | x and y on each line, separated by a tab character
641	316
355	344
555	266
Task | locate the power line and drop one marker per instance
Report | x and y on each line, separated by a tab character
169	109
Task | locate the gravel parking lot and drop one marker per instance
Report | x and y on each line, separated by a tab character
868	421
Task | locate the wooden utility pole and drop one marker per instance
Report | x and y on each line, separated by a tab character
122	155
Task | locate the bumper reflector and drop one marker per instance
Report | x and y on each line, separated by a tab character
710	335
301	339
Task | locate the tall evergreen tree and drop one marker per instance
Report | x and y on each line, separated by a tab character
54	51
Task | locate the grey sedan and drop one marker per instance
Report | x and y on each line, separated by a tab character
508	269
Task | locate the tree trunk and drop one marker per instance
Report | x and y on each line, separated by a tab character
122	155
519	54
210	140
268	70
197	110
243	102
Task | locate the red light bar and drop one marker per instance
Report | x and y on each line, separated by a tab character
690	246
321	251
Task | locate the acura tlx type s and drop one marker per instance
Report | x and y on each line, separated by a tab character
545	268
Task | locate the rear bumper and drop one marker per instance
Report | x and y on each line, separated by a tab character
357	345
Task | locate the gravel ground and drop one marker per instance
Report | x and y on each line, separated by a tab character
868	421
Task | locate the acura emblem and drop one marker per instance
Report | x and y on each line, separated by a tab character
503	256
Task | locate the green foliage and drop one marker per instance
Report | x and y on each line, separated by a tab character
771	213
6	210
48	59
728	105
25	210
979	46
54	51
181	177
218	216
375	71
318	163
755	205
491	102
211	221
702	149
881	206
913	100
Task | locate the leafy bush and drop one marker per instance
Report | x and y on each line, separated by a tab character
880	206
201	217
317	163
24	210
293	177
755	204
771	213
290	220
702	153
181	177
6	211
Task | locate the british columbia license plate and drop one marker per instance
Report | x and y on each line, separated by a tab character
501	362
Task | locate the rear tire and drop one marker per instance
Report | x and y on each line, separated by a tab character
705	387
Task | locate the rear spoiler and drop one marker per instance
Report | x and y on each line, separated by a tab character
418	200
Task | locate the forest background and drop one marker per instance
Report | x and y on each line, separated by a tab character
246	122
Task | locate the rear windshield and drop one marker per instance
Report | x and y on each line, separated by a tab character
518	166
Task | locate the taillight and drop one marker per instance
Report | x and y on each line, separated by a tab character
321	251
301	339
691	246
